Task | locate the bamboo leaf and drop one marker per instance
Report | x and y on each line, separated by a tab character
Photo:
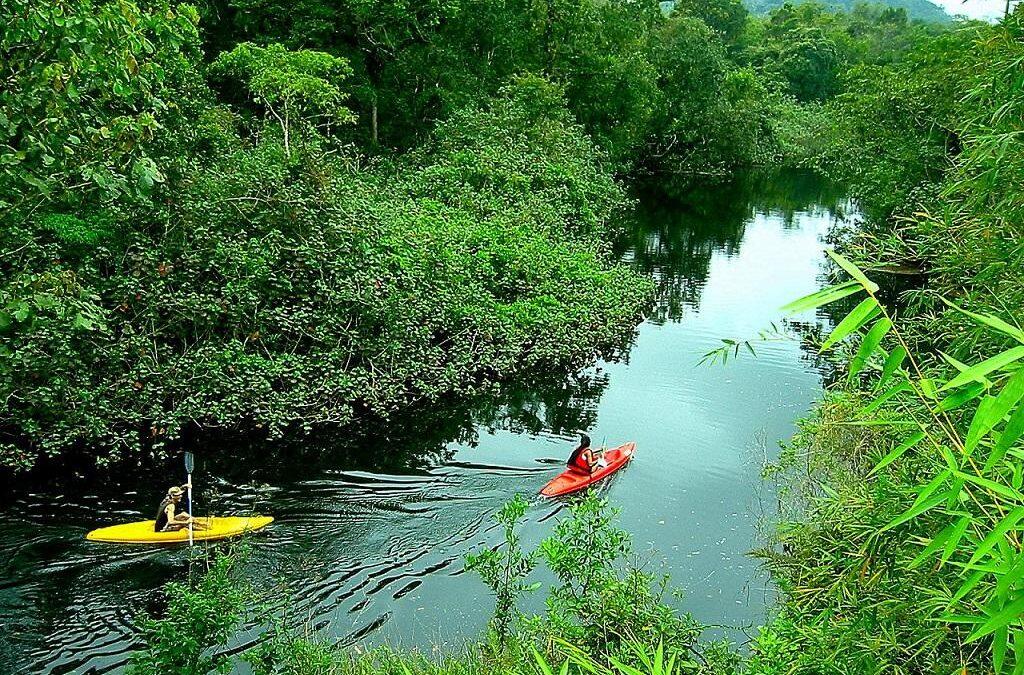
1009	613
1011	576
972	580
877	423
898	451
869	344
981	423
1018	653
998	532
992	410
879	401
960	396
990	321
999	643
978	371
954	491
861	314
949	458
954	539
937	542
961	367
542	664
928	388
1011	393
1011	432
853	271
933	485
915	511
892	362
998	488
822	297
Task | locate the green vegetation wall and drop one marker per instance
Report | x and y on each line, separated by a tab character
171	261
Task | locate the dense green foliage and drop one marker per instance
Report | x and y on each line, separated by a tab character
243	270
272	217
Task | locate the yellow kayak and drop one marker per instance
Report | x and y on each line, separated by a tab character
142	532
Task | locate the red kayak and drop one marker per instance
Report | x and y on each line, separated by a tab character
571	480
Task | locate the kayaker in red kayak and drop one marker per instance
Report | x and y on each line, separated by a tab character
583	459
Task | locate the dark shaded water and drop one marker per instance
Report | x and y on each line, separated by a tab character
369	541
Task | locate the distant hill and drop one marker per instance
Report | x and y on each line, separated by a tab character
916	9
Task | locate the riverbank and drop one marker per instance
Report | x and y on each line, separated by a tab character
901	548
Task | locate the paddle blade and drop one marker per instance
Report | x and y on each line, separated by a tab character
190	462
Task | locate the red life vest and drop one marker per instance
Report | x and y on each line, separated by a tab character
582	458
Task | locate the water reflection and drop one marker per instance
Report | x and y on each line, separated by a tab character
677	227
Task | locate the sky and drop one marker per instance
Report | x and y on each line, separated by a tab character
975	9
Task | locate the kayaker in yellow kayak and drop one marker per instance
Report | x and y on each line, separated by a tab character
169	518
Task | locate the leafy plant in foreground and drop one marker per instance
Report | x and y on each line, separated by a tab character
604	598
505	569
966	430
198	619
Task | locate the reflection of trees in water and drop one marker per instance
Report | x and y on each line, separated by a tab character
678	225
556	403
562	405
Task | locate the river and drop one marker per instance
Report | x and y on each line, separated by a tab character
369	540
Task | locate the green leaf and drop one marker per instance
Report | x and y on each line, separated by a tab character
915	511
898	451
877	423
1008	614
880	400
853	271
822	297
981	423
972	580
992	410
991	485
961	367
933	485
869	344
1010	578
892	362
960	396
927	387
978	371
542	664
1011	432
934	545
1011	394
861	314
954	538
999	643
990	321
1008	523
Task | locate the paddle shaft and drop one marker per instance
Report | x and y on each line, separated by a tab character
189	465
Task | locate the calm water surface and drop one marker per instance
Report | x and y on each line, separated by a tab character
369	541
